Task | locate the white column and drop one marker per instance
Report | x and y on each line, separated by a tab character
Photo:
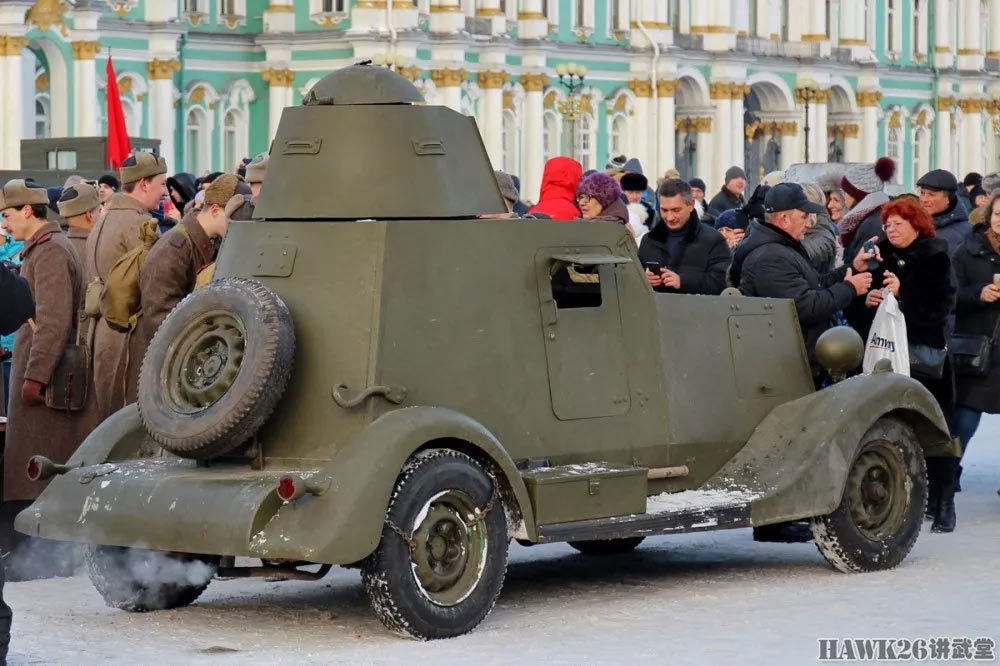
10	71
490	10
722	126
279	16
737	135
666	117
162	118
817	21
640	124
852	145
944	46
532	135
531	22
85	87
790	151
970	47
446	16
821	144
741	16
994	31
491	83
762	20
868	100
280	95
699	16
942	131
704	157
971	132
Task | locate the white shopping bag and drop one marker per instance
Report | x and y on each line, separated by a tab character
887	338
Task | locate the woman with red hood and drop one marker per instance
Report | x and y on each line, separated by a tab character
557	198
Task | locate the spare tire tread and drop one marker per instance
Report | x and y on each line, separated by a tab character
260	397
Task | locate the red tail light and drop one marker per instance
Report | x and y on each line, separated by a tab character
34	469
286	489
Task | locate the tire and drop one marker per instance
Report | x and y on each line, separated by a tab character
139	580
434	495
216	368
879	517
605	547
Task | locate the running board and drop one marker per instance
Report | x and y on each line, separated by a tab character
666	513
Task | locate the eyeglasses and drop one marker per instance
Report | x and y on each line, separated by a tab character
583	198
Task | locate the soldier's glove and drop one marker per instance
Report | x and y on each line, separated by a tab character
33	393
4	354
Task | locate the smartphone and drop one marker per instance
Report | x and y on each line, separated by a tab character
869	247
996	279
653	267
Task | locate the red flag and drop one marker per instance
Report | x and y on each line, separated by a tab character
119	146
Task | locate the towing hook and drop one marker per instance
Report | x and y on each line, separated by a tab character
41	468
293	486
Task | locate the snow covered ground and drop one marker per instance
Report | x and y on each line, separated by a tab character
710	598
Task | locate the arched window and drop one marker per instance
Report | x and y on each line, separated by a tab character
919	152
511	159
550	135
43	124
230	140
585	141
894	148
196	148
918	35
619	136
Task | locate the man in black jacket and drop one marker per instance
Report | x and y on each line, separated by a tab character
17	307
730	196
772	263
680	254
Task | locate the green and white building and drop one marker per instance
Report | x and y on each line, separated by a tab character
694	84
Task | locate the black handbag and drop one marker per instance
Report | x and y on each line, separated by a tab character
971	354
927	362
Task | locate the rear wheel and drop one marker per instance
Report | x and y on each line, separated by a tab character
602	547
879	517
441	562
139	580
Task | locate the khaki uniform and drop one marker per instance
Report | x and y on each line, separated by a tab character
56	280
112	237
77	237
167	276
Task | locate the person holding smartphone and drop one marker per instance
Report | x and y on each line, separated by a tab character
680	254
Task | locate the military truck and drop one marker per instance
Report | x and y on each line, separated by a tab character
377	379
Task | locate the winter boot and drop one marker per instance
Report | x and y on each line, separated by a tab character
958	479
944	519
933	497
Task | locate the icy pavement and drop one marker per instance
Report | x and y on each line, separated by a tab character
709	598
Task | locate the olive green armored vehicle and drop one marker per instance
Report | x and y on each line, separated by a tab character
378	379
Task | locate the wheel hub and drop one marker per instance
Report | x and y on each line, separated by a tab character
877	491
204	362
448	551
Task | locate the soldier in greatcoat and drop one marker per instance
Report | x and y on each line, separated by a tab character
143	178
171	269
55	278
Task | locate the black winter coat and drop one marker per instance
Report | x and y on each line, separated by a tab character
953	225
721	202
771	264
15	295
926	291
870	228
975	265
701	258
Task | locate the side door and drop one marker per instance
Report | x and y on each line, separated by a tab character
582	329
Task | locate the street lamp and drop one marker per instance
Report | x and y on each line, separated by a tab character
571	77
808	92
390	60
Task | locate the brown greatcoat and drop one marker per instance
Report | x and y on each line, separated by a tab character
53	273
110	239
90	415
166	277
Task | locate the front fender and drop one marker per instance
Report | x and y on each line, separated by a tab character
797	458
119	437
344	524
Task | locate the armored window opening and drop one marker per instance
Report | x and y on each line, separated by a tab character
576	286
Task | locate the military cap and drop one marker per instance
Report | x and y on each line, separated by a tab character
78	199
223	189
257	169
240	207
938	179
142	165
18	193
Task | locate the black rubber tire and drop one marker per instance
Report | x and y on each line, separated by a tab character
123	577
605	547
388	574
268	357
838	536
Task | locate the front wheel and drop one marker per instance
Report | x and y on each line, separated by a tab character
441	562
879	517
139	580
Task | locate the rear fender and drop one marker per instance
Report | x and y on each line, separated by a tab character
344	524
797	458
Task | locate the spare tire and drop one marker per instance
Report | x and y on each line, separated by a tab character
216	368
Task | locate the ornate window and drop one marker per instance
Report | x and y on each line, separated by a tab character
893	26
550	135
197	149
195	11
894	146
43	124
918	29
232	13
619	136
328	12
585	141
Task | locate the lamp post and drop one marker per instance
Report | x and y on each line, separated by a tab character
808	93
391	60
571	78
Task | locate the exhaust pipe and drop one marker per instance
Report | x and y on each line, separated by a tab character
41	468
